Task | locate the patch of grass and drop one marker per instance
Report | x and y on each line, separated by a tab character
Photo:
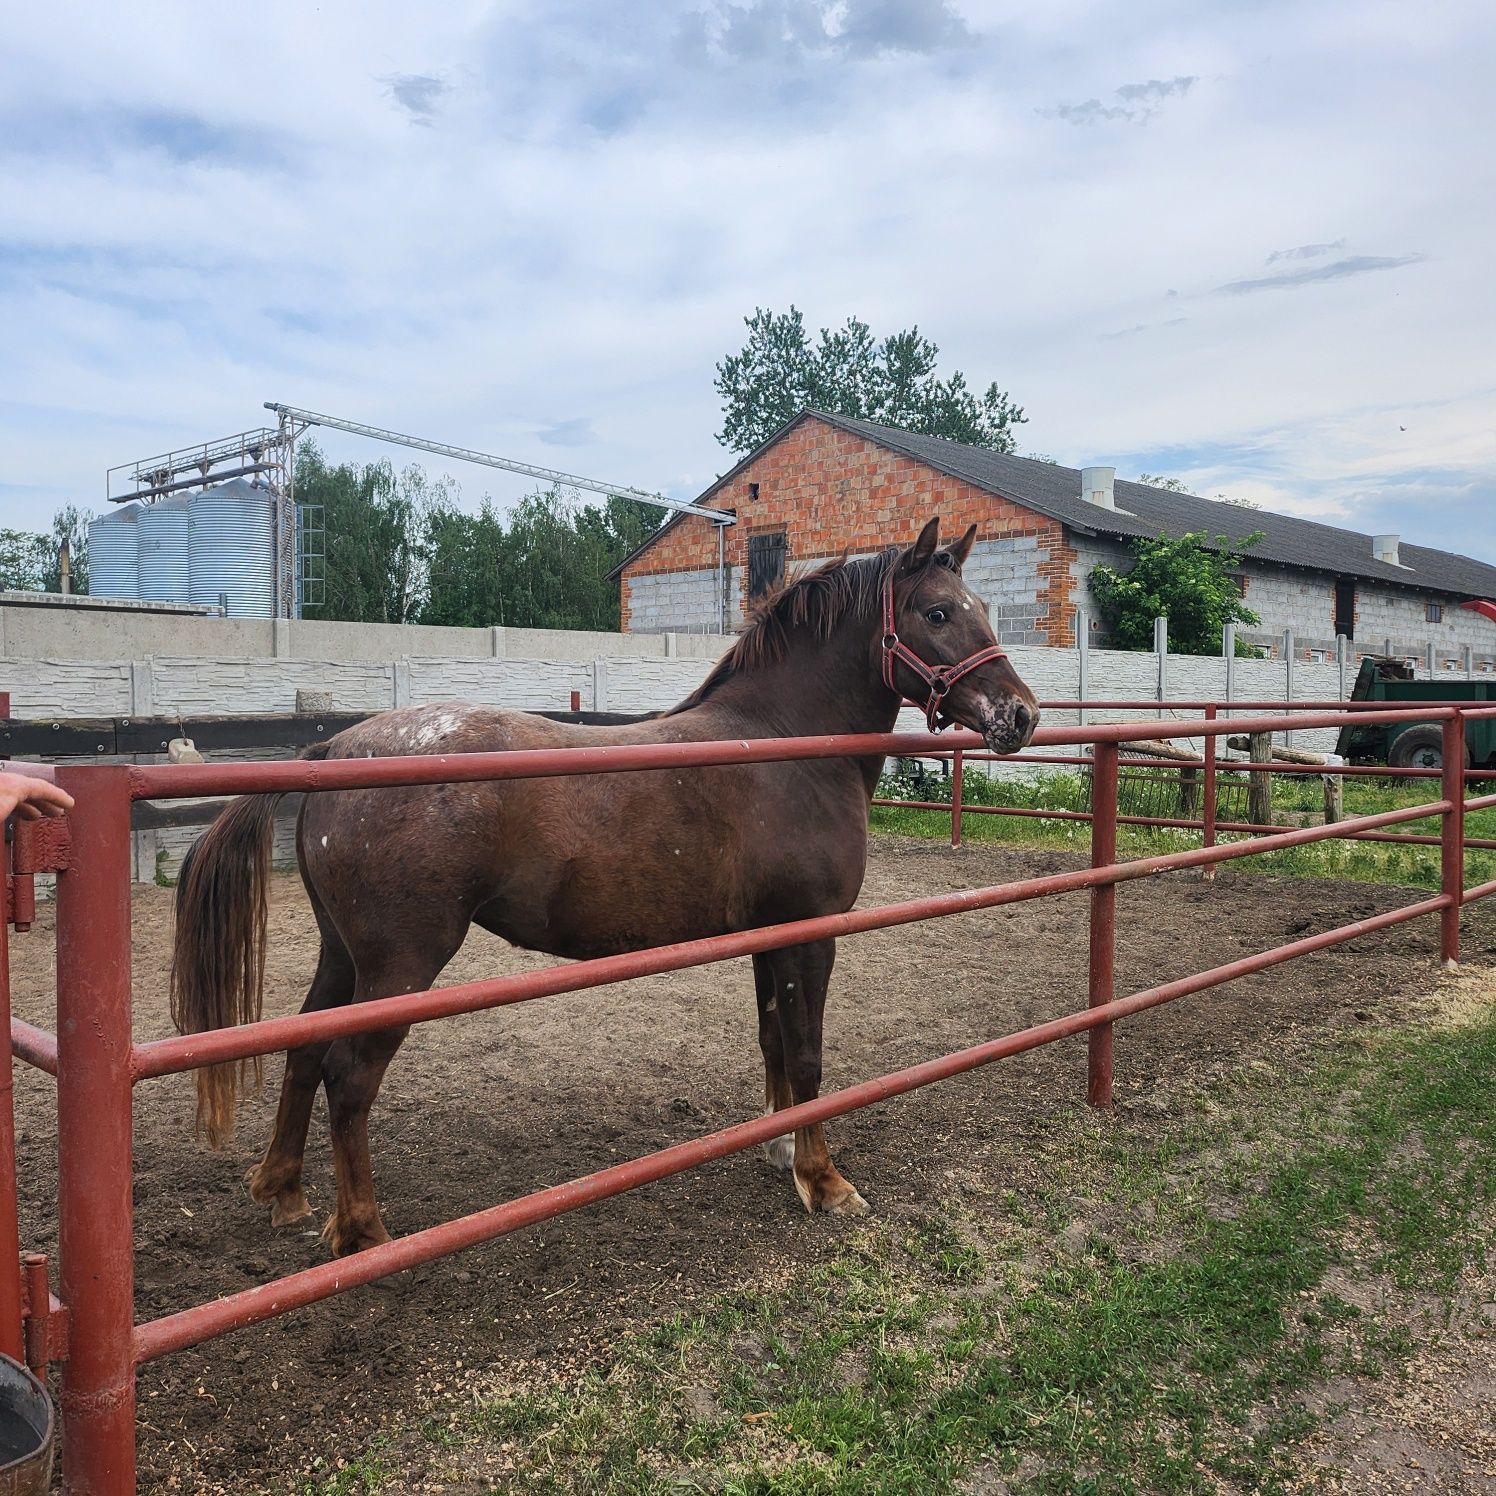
1147	1321
1297	799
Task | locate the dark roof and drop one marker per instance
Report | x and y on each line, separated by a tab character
1143	510
1054	491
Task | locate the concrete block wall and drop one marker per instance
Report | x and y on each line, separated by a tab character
605	682
1004	573
680	601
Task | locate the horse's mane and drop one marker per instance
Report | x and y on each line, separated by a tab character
817	601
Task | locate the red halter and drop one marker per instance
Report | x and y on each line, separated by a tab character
938	679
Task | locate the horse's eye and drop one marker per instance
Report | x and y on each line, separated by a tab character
937	615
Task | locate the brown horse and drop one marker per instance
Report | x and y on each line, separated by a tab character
593	865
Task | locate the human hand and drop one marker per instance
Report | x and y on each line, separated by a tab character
31	798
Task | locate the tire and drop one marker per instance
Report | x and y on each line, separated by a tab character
1420	747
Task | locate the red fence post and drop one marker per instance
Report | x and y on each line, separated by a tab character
94	1100
1103	921
1452	868
12	1336
958	767
576	701
1208	810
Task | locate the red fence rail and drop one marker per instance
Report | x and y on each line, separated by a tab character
97	1061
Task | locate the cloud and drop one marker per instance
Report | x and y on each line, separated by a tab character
609	189
1304	252
104	132
1136	328
1337	270
575	432
1140	103
876	27
420	94
782	30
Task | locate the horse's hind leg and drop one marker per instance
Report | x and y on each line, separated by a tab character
352	1072
801	975
276	1180
779	1151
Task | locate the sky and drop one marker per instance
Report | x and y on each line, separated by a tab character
1246	245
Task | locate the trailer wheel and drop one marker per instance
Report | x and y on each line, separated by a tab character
1420	748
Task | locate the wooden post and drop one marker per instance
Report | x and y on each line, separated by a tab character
1334	798
1260	781
1161	650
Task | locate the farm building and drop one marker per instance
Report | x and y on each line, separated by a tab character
825	484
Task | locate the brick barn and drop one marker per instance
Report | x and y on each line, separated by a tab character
825	484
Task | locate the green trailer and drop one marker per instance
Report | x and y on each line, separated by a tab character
1416	745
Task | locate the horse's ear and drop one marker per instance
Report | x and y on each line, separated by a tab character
919	555
962	548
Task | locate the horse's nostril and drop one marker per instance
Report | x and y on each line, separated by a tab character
1022	717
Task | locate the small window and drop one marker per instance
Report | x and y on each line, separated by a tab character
1345	606
1238	580
1434	613
753	490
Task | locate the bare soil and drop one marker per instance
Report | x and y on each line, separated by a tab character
479	1109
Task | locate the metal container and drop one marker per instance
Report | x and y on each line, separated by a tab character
163	569
233	548
114	553
26	1432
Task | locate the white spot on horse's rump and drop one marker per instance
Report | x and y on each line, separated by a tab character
789	986
324	841
677	851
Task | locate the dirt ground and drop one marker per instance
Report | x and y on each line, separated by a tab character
478	1109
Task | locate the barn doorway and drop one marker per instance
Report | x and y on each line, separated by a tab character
766	555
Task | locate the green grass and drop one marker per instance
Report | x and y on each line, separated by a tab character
1164	1344
1297	799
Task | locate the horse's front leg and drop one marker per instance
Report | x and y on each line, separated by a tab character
801	976
779	1151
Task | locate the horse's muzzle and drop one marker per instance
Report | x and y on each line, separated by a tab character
1009	727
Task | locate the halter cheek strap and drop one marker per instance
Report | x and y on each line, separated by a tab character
938	679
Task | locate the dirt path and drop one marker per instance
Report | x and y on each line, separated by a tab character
479	1109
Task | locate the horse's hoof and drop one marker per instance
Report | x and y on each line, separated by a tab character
288	1210
344	1241
836	1196
851	1205
287	1206
780	1152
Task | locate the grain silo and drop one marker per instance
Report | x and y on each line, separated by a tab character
114	553
232	548
163	538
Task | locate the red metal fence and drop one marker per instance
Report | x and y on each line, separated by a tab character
97	1061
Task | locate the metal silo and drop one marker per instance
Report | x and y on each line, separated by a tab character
114	553
233	548
162	532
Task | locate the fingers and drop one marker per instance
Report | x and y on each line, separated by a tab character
32	797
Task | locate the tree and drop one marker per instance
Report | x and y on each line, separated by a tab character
549	569
30	561
780	371
401	549
70	528
374	520
1185	579
1175	486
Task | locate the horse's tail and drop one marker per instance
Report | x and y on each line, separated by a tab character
218	956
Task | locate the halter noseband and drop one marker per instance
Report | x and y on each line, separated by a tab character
938	679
